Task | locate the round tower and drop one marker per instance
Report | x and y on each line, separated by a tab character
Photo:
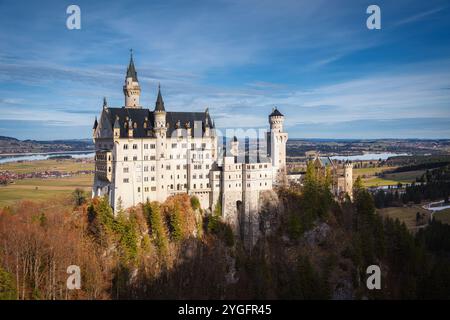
276	120
131	88
348	176
278	140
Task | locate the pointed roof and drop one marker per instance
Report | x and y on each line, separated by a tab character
116	124
131	71
276	113
159	105
95	124
105	104
206	118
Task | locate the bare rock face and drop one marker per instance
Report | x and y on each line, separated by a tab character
260	219
317	235
269	213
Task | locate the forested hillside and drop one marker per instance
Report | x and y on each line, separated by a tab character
311	247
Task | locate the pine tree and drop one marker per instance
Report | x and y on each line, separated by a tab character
176	224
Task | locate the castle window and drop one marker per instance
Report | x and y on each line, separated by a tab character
152	146
125	147
146	146
125	170
168	167
153	188
171	187
145	179
125	158
146	189
152	157
145	168
139	189
152	168
135	158
207	166
125	180
192	146
152	179
178	167
195	186
135	146
174	145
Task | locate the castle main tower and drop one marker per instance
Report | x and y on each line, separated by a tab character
131	88
278	139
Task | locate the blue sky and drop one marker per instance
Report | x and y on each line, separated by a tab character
315	60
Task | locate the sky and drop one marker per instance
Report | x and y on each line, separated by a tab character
316	61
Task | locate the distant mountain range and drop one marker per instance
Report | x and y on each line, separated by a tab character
10	145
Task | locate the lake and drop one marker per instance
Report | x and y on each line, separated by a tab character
45	156
369	156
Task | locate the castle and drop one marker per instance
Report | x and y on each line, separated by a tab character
148	155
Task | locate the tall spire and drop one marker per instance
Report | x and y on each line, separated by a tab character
105	104
131	71
159	106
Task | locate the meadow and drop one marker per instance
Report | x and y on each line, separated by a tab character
45	189
375	177
406	215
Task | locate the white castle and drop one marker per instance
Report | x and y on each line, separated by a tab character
148	155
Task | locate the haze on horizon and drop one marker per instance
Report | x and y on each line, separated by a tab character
316	61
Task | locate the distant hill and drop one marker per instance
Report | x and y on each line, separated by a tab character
12	145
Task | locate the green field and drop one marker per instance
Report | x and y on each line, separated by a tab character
443	216
44	189
65	165
405	214
371	180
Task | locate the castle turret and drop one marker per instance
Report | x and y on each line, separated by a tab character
160	114
277	146
207	127
94	128
116	129
131	88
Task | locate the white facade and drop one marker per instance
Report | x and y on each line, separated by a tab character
148	155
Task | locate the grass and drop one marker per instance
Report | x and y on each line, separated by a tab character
371	180
405	214
370	171
408	176
65	165
443	216
45	189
